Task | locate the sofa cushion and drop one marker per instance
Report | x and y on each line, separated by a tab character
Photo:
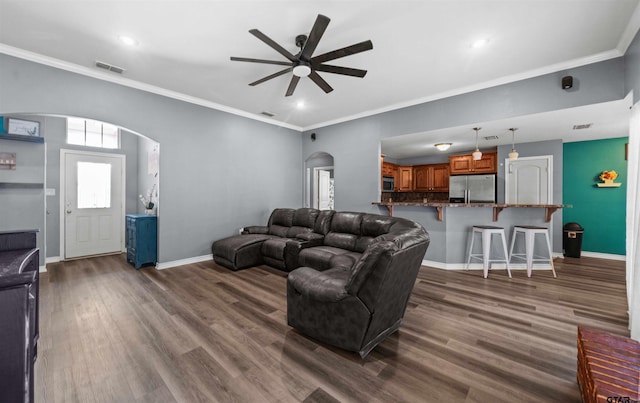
274	248
280	221
345	231
319	257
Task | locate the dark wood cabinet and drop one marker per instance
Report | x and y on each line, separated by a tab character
465	164
431	178
19	265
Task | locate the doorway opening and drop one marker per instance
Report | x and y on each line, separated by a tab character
319	179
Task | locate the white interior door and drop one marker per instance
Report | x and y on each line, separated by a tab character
93	206
324	183
529	180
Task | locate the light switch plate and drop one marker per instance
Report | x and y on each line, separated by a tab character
50	192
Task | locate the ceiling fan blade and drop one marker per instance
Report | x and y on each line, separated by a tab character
314	36
264	38
347	51
320	82
347	71
246	59
292	85
269	77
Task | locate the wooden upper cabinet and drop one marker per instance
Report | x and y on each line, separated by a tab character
440	177
465	164
404	181
431	178
389	169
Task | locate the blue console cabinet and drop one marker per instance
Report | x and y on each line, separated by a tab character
142	239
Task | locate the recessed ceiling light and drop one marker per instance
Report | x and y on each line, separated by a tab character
300	105
480	43
127	40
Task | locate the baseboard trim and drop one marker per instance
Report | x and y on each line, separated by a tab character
53	259
478	266
599	255
42	269
182	262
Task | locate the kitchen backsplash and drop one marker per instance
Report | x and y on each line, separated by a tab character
415	196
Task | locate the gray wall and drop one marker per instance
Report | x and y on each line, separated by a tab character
355	145
219	171
55	137
632	68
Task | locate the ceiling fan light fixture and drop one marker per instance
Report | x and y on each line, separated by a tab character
442	146
302	70
477	154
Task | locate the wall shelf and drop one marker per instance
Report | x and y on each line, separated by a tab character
609	185
31	139
21	185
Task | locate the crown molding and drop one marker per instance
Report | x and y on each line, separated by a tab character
110	77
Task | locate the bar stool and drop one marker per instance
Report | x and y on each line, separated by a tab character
487	232
530	233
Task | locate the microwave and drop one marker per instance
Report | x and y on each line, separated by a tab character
388	184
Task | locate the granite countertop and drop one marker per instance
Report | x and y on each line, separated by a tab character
446	204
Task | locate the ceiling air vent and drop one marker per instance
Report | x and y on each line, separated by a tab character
269	114
491	138
109	67
580	127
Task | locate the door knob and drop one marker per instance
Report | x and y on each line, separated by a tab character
68	211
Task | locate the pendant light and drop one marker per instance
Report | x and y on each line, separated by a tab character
477	154
513	155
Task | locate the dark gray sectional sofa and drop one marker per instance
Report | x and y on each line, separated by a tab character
351	274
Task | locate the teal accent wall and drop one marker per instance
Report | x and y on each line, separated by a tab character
600	211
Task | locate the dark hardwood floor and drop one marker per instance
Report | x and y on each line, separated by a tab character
201	333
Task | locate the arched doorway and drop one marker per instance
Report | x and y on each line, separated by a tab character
319	181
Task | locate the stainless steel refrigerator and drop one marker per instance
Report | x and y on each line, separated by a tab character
472	189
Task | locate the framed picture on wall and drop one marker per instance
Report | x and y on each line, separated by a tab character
23	127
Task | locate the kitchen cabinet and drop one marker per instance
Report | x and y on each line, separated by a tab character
465	164
431	178
404	181
389	169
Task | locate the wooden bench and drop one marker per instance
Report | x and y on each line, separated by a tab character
608	367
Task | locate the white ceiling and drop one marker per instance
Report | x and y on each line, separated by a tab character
421	48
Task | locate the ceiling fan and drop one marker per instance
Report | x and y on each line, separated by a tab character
304	64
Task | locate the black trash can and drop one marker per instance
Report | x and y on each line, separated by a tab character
572	239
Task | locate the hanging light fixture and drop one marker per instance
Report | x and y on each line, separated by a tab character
513	155
477	154
442	146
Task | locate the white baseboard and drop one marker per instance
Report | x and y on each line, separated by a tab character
43	269
599	255
181	262
53	259
478	266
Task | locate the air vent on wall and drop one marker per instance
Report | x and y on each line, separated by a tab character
580	127
491	138
265	113
109	67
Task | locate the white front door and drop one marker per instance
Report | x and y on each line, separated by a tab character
529	180
324	183
93	205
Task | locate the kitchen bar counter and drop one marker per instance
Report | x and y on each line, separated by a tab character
450	228
497	207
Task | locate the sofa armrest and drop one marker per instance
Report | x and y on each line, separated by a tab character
313	237
255	229
293	247
326	286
